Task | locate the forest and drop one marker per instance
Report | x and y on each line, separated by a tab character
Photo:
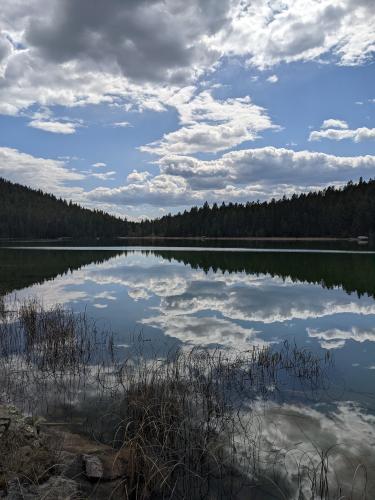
27	213
333	212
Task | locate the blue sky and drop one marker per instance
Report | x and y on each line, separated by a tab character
142	108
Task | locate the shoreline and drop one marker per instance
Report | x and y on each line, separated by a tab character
239	238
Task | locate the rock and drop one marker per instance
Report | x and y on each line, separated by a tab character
17	491
5	419
4	424
114	464
69	465
107	465
78	444
93	467
59	488
56	488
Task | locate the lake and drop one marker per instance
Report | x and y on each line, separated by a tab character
322	298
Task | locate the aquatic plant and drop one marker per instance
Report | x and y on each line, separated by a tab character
188	420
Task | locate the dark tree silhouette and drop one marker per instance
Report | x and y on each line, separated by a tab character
332	212
27	213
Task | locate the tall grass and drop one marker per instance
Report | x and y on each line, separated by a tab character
186	420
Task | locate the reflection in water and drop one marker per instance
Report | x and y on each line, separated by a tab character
298	437
352	272
220	299
20	268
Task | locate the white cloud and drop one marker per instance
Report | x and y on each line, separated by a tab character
121	124
333	123
299	30
5	48
54	127
136	176
75	53
99	165
238	175
105	176
273	79
357	135
39	173
159	190
210	125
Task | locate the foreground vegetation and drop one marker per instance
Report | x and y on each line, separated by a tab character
185	421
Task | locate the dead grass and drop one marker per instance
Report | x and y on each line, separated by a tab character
186	421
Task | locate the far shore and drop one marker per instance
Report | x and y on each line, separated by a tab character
239	238
361	239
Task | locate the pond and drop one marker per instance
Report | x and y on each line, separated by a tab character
320	298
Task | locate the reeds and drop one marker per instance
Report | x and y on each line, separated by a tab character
187	420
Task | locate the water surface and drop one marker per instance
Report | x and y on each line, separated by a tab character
321	298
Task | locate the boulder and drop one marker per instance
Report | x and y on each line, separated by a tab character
93	467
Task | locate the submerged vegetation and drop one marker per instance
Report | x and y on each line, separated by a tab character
190	421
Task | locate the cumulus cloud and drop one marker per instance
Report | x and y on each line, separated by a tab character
357	135
246	174
73	53
273	79
210	125
105	176
136	176
159	191
99	165
333	123
5	47
54	127
298	30
39	173
148	40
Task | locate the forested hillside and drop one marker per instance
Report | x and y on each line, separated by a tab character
345	212
26	213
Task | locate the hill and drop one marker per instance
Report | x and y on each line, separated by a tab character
27	213
332	212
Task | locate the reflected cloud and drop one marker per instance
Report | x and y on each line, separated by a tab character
298	433
239	296
336	338
139	294
206	307
206	330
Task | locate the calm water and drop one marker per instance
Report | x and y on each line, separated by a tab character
322	300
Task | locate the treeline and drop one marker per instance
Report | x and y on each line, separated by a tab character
332	212
27	213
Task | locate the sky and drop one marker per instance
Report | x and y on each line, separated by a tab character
145	107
